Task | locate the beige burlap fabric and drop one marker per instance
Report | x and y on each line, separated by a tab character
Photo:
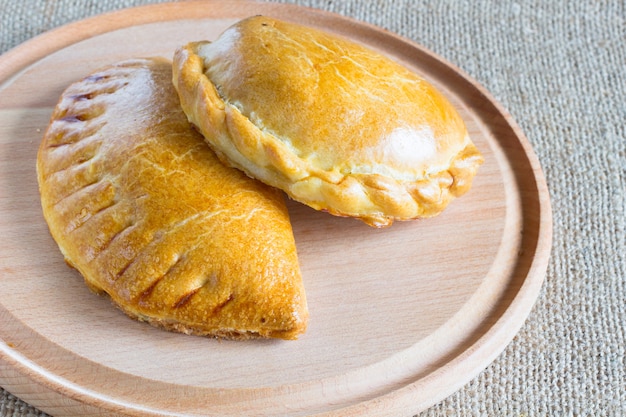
559	67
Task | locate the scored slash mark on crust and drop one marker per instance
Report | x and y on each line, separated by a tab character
123	270
148	291
185	298
223	304
67	136
124	230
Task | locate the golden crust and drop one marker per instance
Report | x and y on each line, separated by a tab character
148	215
335	125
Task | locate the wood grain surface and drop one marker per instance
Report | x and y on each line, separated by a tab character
400	317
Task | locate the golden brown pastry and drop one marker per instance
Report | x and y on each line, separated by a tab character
140	205
333	124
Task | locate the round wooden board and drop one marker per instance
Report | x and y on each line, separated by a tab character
400	317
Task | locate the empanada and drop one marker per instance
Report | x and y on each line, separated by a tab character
143	209
336	126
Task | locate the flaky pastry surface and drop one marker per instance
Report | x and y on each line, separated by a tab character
140	205
336	126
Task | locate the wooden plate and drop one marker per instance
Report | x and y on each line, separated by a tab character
400	317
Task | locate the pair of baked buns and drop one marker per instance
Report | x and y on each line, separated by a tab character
148	214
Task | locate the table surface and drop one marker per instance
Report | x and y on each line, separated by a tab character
558	68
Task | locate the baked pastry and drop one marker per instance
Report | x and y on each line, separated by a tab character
336	126
143	209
